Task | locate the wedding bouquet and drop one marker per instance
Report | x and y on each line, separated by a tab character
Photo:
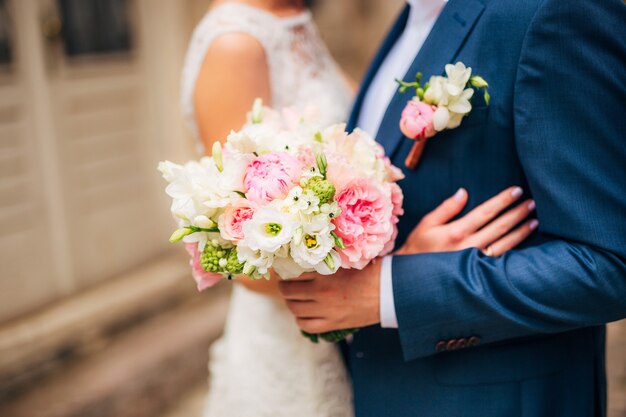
286	194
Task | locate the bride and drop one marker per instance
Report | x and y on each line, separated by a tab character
271	49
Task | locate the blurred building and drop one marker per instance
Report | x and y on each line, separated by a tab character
98	315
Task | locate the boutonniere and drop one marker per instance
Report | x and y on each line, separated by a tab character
438	105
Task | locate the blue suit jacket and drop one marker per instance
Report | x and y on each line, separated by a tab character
522	334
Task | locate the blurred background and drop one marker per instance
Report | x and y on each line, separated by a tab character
98	313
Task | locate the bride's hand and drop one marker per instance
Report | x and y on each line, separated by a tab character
481	228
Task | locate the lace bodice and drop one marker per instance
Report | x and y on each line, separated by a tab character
262	366
301	68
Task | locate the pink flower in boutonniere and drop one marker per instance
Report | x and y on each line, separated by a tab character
439	105
417	121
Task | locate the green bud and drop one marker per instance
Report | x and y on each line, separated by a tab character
322	163
322	188
338	241
329	261
318	136
217	156
179	234
257	111
249	269
487	97
233	266
478	82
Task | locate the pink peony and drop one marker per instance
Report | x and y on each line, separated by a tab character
366	223
203	278
271	176
417	119
231	221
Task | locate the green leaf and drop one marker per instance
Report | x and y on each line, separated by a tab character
241	194
487	97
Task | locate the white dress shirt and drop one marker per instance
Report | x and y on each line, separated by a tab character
422	18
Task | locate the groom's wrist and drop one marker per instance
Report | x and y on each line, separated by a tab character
388	318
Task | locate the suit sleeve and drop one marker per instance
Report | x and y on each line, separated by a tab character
570	132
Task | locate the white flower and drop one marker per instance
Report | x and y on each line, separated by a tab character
330	265
332	210
437	91
203	222
254	260
450	115
301	201
168	169
458	76
240	142
313	241
268	229
287	268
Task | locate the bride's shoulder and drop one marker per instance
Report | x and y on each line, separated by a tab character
233	17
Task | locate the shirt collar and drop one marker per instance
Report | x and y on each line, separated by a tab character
422	9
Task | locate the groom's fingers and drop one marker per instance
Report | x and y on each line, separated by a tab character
512	239
487	211
446	210
303	309
294	290
502	225
313	325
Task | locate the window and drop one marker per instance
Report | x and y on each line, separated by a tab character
95	26
5	32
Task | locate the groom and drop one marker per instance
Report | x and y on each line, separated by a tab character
462	334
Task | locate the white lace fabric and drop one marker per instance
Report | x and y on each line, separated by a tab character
262	366
301	69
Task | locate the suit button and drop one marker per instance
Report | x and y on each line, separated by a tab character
441	346
461	343
451	345
473	341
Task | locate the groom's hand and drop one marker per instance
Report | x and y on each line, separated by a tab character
348	299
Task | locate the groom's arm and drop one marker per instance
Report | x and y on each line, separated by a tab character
570	118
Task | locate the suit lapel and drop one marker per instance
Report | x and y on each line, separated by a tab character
388	43
440	48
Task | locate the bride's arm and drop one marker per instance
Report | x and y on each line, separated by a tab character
233	74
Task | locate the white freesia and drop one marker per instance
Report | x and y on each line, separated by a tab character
458	76
268	230
437	92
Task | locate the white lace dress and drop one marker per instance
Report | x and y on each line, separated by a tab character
262	366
